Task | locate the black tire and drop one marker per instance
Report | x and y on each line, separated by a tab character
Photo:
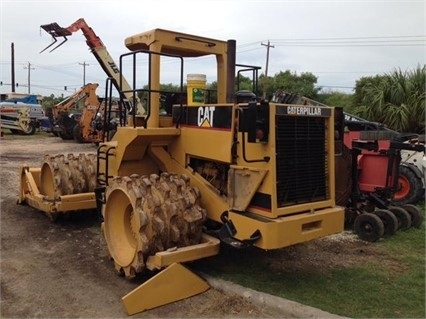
389	220
31	129
65	136
410	186
369	227
76	132
415	213
111	134
369	207
404	218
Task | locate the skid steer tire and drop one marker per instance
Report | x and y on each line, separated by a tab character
404	218
369	227
410	186
144	215
416	216
389	220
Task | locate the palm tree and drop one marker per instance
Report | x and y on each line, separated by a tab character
396	100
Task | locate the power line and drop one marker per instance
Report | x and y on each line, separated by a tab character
402	40
349	45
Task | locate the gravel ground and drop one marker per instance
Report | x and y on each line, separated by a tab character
62	269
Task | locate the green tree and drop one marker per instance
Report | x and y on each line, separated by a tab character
243	83
50	101
362	85
396	99
303	84
335	98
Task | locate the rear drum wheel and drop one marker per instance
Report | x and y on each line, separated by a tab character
144	215
369	227
67	175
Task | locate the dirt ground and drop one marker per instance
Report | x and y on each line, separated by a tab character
62	269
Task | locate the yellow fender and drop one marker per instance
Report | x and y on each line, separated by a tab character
174	283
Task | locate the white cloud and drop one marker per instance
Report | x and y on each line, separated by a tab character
248	22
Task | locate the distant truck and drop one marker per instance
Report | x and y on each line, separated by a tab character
10	111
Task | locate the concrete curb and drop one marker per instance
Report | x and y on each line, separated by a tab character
286	308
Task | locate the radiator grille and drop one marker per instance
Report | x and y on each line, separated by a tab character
301	160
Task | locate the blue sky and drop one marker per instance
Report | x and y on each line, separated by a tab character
338	41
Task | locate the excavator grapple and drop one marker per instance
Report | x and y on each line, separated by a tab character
101	54
55	31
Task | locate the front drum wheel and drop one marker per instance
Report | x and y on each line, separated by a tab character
144	215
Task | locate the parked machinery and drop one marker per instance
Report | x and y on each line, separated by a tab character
82	123
411	180
17	120
410	188
367	173
246	173
376	156
11	110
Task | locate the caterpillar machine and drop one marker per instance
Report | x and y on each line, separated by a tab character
367	176
170	188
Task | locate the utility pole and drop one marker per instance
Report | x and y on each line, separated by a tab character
268	45
29	76
84	64
12	48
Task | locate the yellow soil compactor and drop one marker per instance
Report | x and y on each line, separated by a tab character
172	185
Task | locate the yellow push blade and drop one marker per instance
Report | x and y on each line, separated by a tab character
172	284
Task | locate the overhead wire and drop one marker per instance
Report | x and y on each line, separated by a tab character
357	41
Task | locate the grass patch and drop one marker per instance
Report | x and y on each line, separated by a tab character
390	284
